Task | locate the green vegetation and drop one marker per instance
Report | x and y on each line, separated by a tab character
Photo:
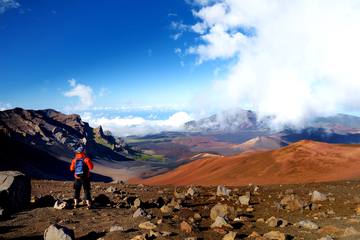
99	140
149	157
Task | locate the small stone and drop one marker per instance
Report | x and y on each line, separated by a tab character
244	200
326	238
249	209
137	203
60	205
292	203
110	189
275	235
166	209
260	220
357	210
229	236
166	234
197	216
220	223
139	237
154	234
221	210
116	228
179	195
185	227
222	191
318	196
190	192
308	225
254	235
139	213
272	221
147	225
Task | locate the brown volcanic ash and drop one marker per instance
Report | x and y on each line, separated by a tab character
301	162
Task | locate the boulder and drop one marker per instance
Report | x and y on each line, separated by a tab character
15	191
57	232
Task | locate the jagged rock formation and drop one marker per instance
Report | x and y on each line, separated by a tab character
35	141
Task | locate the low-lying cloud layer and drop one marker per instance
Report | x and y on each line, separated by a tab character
126	126
294	59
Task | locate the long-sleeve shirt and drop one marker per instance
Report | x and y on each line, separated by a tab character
87	161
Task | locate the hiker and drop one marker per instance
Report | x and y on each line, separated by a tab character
81	165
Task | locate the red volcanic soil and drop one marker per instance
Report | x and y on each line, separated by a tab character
301	162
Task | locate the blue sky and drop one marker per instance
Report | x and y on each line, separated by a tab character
176	60
124	51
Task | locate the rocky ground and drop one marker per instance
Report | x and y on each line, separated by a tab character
307	211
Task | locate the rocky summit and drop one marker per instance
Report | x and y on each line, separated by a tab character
163	212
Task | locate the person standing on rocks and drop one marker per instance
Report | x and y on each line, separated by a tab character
81	166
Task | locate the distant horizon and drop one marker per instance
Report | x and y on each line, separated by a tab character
158	65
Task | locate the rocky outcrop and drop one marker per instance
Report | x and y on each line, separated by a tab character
15	191
43	136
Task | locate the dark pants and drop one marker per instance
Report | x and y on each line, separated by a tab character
85	183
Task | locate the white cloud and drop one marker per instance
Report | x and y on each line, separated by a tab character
179	27
137	125
6	5
5	106
302	59
83	92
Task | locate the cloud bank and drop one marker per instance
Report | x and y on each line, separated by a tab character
293	59
82	92
138	125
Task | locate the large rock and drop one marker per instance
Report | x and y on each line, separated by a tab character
292	202
221	210
318	196
15	191
57	232
220	222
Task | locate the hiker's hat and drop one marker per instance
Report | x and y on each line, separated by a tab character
79	149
